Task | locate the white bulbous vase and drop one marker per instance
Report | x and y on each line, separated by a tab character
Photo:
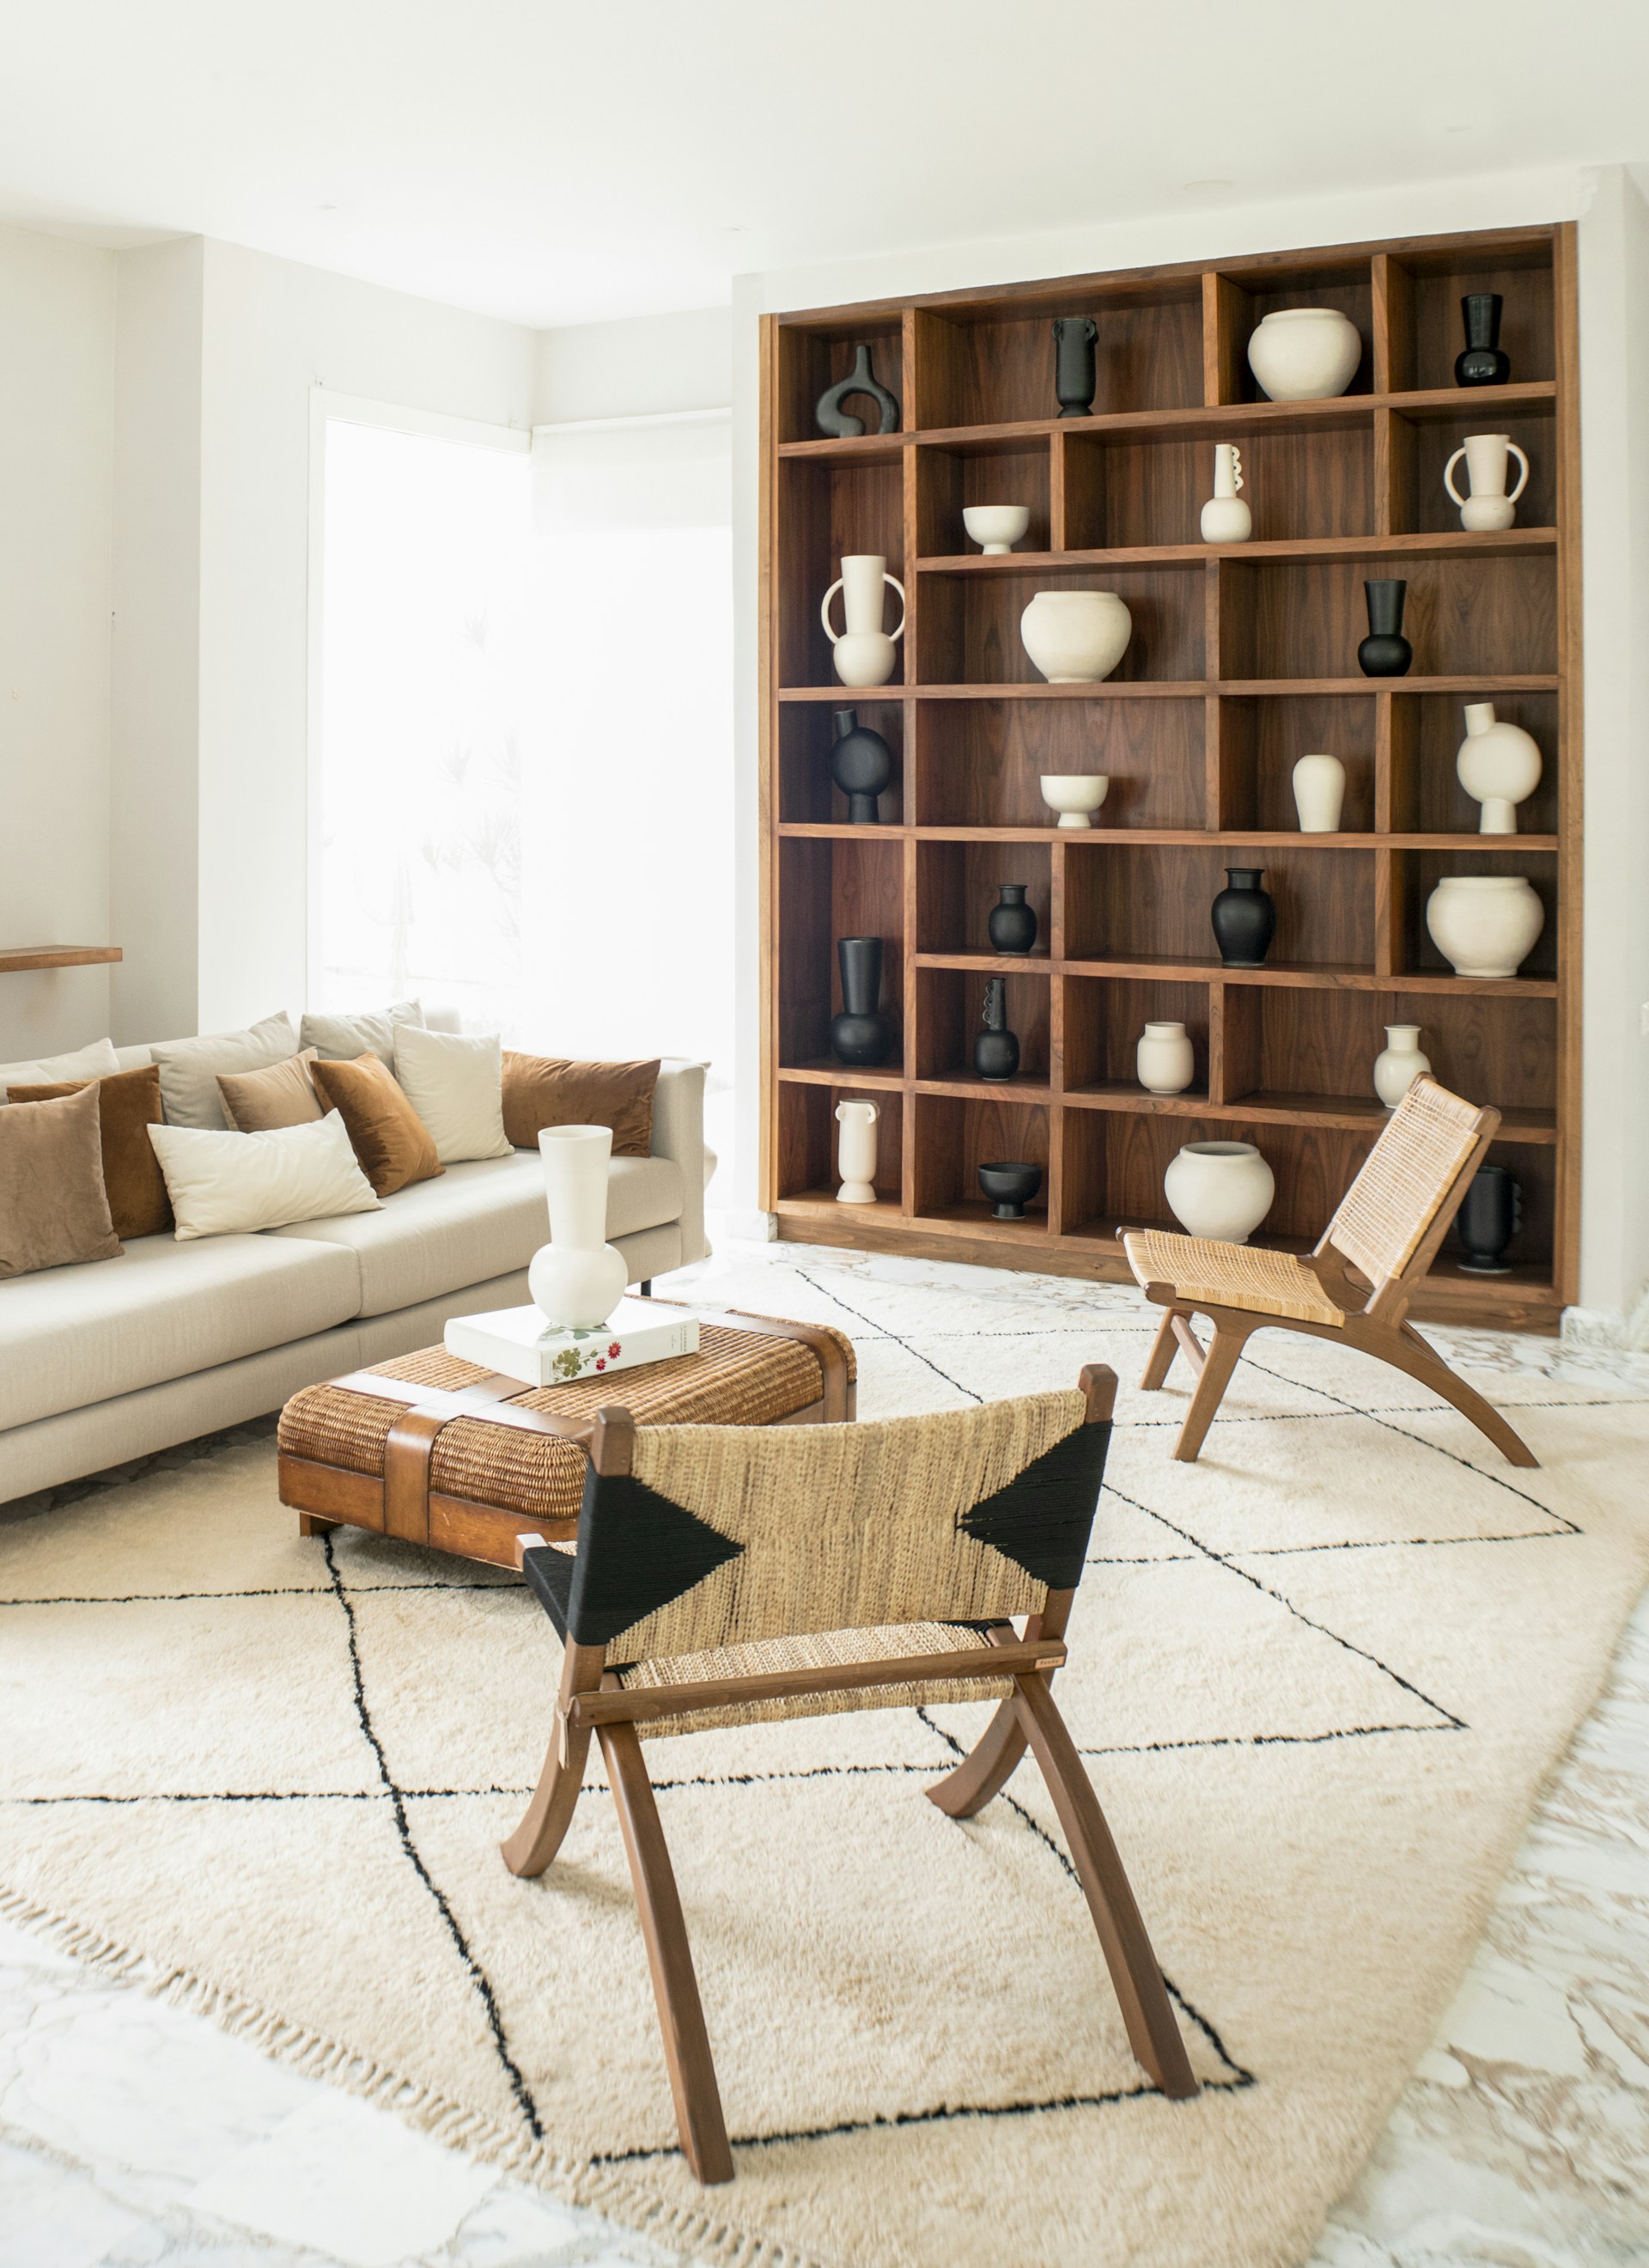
1076	637
1319	794
1164	1060
1219	1190
1498	765
856	1151
1399	1064
1305	354
578	1278
1485	925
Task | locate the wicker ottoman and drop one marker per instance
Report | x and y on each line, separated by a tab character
438	1451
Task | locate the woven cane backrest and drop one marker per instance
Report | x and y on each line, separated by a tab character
1410	1173
729	1535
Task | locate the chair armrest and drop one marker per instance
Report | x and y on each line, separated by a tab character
678	1132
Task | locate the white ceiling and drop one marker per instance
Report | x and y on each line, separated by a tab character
559	163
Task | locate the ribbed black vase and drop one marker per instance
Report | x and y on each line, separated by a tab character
1482	364
861	1034
1244	917
861	765
1012	923
1075	375
996	1050
1489	1216
1385	651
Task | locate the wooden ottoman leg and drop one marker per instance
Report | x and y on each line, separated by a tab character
310	1523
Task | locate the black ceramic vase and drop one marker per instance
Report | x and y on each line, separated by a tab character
1075	377
1489	1218
1012	923
1482	364
831	417
1244	917
861	765
996	1050
1010	1186
861	1034
1385	651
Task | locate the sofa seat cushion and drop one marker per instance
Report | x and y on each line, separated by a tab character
79	1334
485	1217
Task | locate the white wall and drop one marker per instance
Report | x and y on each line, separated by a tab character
56	378
648	367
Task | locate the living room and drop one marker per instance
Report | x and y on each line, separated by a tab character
823	732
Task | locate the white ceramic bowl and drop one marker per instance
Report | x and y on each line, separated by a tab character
1073	795
998	526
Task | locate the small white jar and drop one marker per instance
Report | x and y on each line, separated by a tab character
1163	1059
1399	1064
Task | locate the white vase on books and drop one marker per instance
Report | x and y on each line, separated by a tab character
578	1278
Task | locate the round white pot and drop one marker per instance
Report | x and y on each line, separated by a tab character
1305	354
856	1151
1319	794
996	526
1499	765
1074	795
578	1278
1164	1060
1076	637
1485	924
1399	1064
1221	1190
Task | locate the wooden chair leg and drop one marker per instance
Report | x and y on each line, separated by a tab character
1422	1362
1215	1375
1163	1350
545	1821
985	1770
698	2115
1147	2012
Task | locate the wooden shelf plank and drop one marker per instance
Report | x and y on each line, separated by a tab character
829	1073
1319	974
1281	838
997	964
1192	689
806	1204
14	958
1515	542
966	1087
1257	688
1351	1113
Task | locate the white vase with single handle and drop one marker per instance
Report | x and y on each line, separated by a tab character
1399	1064
864	653
1487	510
578	1278
1226	518
856	1150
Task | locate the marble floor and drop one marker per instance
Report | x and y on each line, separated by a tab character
132	2132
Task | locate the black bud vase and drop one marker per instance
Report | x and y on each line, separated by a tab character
861	1034
831	417
996	1050
861	765
1244	917
1489	1218
1482	364
1385	651
1012	923
1075	377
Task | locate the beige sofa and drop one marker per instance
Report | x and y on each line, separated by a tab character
117	1359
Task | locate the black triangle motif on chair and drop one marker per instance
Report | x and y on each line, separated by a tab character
1042	1518
637	1551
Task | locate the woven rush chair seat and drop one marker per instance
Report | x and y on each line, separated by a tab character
822	1650
1231	1275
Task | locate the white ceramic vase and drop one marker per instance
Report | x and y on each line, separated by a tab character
1164	1060
1076	637
996	526
856	1151
864	653
1075	796
1488	508
578	1278
1226	518
1305	354
1399	1064
1498	764
1319	794
1485	924
1222	1189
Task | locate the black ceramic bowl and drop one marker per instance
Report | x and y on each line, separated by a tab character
1010	1188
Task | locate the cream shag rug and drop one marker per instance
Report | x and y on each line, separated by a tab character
1317	1677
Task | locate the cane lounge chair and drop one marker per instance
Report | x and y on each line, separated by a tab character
1390	1227
724	1576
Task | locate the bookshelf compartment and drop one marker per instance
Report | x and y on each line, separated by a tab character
956	889
956	1135
810	359
1530	1251
831	510
1262	739
979	763
1426	796
1474	614
1428	330
1418	872
1422	447
831	887
806	1161
1317	482
994	364
808	796
1245	299
1149	902
1115	1162
950	1004
1292	1048
1104	1020
949	479
969	625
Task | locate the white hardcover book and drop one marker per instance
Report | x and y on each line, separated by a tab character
522	1344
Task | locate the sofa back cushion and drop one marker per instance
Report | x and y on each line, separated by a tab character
541	1091
93	1062
189	1068
54	1209
454	1080
223	1184
392	1142
256	1101
341	1038
129	1104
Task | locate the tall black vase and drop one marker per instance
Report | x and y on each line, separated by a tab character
861	1034
1244	917
996	1050
1489	1216
1012	923
1385	651
861	765
831	417
1482	364
1075	377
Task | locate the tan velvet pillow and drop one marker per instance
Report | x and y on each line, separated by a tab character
258	1101
54	1208
392	1142
129	1104
541	1091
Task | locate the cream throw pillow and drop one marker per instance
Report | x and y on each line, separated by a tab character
343	1038
455	1083
189	1068
224	1184
98	1061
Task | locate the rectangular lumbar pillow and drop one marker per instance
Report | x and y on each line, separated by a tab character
94	1062
54	1209
541	1091
391	1141
223	1184
129	1104
342	1038
455	1081
256	1101
189	1068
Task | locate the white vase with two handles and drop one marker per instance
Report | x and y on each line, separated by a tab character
856	1150
1487	510
864	653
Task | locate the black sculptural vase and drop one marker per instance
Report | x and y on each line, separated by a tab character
1244	917
1489	1216
1482	364
861	765
1010	1186
861	1034
1012	923
1385	651
996	1050
832	418
1075	377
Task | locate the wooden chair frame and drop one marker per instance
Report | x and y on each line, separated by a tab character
592	1702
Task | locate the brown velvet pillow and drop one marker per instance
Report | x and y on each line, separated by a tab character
392	1142
129	1104
258	1101
541	1091
54	1208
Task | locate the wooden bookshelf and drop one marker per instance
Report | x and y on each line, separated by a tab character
1243	657
19	959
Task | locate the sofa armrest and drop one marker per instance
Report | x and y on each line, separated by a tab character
678	1132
